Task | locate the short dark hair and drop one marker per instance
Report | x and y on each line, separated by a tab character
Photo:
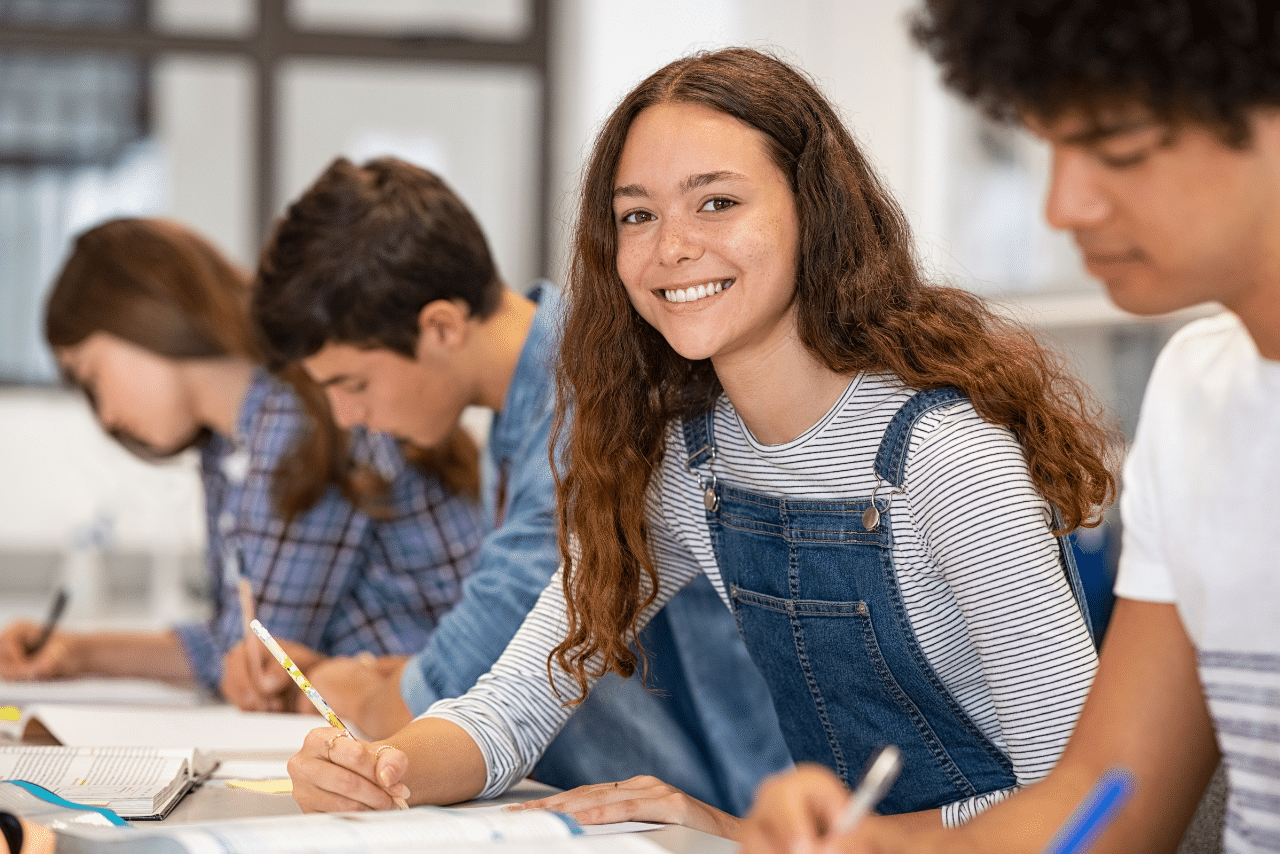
1206	61
355	259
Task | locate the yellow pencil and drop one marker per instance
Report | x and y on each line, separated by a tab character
292	669
307	688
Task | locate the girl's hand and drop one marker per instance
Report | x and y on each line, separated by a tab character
638	799
334	772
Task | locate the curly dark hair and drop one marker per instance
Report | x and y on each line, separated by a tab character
1204	61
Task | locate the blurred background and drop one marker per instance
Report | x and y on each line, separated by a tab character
217	112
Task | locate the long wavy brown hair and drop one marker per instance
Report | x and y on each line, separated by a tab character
162	287
862	305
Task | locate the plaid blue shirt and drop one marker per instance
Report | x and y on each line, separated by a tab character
336	580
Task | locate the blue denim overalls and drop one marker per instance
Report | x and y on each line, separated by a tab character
813	588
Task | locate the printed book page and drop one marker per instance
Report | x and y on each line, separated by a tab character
133	782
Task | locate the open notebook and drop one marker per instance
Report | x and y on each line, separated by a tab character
100	691
213	729
133	782
421	829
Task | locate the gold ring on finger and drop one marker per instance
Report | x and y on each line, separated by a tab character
329	742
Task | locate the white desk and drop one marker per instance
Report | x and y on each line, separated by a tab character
214	800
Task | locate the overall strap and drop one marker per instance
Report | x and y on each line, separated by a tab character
699	440
891	458
891	461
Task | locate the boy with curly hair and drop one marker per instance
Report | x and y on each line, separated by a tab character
1163	117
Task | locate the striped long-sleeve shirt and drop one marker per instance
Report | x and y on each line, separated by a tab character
976	562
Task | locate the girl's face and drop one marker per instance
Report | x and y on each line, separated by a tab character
136	394
707	234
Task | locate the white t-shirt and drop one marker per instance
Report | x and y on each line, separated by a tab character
1201	507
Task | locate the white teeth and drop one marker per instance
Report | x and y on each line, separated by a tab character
696	293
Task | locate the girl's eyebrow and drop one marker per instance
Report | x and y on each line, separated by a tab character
631	191
693	182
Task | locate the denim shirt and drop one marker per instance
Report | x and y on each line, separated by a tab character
517	557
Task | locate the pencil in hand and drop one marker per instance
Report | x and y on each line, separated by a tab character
880	774
292	669
33	646
307	688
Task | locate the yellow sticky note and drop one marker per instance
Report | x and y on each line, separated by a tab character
270	787
10	713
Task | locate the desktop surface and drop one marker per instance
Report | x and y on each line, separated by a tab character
214	800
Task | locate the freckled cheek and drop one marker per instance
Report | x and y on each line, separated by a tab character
756	252
631	270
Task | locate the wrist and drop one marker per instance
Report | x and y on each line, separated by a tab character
77	659
726	825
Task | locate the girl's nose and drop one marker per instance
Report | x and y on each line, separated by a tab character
677	242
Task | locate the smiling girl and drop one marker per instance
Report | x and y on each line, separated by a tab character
345	545
871	470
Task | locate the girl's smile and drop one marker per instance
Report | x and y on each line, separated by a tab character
695	293
707	234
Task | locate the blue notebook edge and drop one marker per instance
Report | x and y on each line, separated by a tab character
45	795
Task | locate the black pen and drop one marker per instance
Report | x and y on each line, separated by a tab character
51	622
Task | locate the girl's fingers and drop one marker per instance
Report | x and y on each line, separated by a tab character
335	772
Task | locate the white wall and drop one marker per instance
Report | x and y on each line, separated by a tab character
857	50
70	490
61	475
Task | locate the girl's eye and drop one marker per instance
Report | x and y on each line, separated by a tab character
718	204
636	217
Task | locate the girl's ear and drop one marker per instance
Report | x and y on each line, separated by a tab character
442	327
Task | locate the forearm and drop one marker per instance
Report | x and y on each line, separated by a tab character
151	655
445	764
1145	714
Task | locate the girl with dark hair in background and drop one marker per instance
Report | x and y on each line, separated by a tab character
871	470
345	545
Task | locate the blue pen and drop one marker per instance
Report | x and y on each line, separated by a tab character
1095	812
